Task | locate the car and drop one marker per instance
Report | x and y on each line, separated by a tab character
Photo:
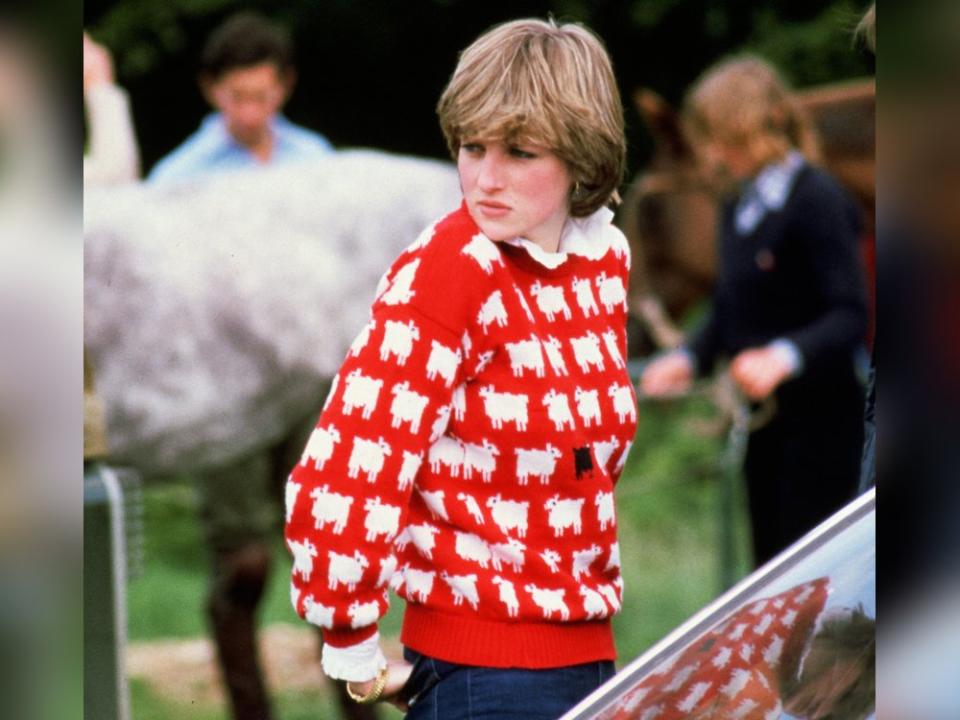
795	639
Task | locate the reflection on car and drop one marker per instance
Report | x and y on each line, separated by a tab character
796	639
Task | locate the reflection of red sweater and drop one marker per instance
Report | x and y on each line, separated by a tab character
732	671
469	451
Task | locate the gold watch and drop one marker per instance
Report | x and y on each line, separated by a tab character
375	692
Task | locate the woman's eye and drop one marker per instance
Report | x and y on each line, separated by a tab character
472	148
521	153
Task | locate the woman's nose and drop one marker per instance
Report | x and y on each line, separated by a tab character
490	173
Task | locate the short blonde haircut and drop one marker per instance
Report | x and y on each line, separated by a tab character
743	102
536	81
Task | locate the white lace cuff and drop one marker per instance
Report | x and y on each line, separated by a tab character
357	663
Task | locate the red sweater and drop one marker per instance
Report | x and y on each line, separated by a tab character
468	450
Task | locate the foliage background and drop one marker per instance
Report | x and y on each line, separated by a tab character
370	71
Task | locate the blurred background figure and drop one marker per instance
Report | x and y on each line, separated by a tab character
246	75
789	308
112	155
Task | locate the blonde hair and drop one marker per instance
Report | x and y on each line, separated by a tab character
536	81
743	102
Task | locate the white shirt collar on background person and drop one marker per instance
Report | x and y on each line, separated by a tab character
767	192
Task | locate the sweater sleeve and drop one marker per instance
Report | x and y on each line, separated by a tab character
347	498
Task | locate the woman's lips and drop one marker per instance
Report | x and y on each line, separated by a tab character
492	209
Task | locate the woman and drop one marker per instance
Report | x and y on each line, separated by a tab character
789	308
468	451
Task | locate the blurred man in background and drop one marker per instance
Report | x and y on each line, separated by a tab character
247	75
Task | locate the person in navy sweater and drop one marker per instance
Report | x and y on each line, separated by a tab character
470	445
789	308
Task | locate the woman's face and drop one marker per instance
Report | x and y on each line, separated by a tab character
732	161
515	189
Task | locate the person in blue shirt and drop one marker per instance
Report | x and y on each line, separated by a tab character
246	75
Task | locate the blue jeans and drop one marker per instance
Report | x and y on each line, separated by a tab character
446	691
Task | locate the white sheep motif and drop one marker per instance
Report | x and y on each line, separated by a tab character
320	446
473	548
550	300
558	410
552	559
398	339
563	514
440	423
586	351
503	407
508	595
388	566
463	587
367	456
447	451
612	292
484	251
443	362
481	458
290	492
526	355
511	552
408	469
583	559
605	509
399	291
613	348
381	519
419	583
407	406
345	569
593	604
585	299
492	311
604	449
588	406
458	403
624	403
434	503
303	554
472	507
361	391
539	462
363	614
318	614
360	342
330	507
552	347
509	514
550	601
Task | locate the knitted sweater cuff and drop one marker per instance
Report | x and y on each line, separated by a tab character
356	663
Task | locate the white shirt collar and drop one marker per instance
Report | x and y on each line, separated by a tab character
586	236
767	192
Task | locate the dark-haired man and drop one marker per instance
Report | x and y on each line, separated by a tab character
247	75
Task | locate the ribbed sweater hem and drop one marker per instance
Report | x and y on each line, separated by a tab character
469	640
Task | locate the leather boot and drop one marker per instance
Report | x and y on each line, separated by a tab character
240	577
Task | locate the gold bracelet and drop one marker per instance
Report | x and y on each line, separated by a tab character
375	692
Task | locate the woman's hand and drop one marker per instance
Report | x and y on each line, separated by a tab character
398	672
759	371
668	375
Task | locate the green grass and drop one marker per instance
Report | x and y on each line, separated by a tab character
669	524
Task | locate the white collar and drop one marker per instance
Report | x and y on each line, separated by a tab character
767	192
584	236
